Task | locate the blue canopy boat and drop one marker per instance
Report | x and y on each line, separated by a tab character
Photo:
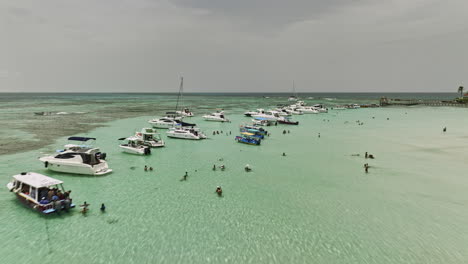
256	133
247	139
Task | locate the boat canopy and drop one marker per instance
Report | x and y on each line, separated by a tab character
36	180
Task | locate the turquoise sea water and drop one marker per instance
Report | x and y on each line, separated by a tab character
315	205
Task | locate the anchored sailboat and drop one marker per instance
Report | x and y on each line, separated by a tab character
293	97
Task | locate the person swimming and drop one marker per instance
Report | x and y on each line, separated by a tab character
84	209
214	167
247	168
219	191
103	208
222	167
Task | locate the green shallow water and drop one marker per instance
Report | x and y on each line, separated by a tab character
315	205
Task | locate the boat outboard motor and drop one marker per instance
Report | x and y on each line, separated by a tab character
46	164
101	156
147	151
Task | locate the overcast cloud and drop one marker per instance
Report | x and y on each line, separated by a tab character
233	45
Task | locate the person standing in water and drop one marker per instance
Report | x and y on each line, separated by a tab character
445	129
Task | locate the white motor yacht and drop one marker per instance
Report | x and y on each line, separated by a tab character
268	115
294	111
250	113
320	108
282	112
185	133
165	122
150	137
78	160
135	145
217	117
309	110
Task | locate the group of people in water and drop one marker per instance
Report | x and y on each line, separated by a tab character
216	132
84	208
366	165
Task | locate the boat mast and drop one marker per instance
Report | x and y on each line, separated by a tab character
181	87
294	90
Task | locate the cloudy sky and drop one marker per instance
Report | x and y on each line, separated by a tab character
233	45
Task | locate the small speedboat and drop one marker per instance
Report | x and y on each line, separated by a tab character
150	137
248	140
135	145
185	133
41	193
217	117
287	121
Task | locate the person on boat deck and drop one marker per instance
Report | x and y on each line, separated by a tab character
44	201
50	194
67	194
60	195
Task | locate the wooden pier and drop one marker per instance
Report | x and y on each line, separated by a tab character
384	101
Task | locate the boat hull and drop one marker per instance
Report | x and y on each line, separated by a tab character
135	151
45	208
183	136
288	122
214	119
248	141
162	125
85	169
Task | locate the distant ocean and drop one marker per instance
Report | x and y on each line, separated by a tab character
80	112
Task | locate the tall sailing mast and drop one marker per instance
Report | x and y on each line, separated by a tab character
181	88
